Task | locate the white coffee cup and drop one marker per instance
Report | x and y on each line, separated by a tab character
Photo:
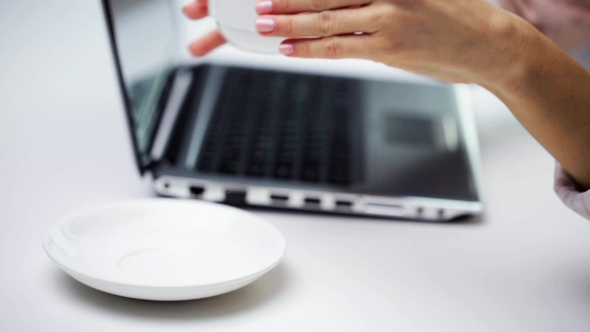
236	19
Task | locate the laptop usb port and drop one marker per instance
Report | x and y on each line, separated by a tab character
279	198
235	197
343	204
312	201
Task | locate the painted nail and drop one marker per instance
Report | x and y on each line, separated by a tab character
265	25
186	8
264	7
286	49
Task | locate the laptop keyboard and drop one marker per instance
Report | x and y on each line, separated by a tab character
281	125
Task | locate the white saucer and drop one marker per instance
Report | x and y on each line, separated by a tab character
165	249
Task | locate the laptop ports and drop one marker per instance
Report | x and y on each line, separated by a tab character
196	190
279	198
312	202
384	210
343	204
235	197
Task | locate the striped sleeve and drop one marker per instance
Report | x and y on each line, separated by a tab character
565	188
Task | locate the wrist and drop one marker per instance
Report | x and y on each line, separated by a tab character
519	51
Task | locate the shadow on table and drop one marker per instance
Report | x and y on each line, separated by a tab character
253	296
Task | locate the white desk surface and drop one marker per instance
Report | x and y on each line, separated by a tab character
524	266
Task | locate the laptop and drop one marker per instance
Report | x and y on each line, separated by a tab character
272	137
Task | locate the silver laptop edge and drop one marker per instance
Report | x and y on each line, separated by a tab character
422	208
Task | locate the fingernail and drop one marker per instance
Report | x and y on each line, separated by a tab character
264	7
286	49
191	8
265	24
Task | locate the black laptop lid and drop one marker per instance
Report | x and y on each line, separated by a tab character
144	40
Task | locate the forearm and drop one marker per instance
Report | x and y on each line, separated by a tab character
550	96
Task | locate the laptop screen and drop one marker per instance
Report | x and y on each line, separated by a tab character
145	38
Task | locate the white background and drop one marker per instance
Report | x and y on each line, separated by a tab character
524	266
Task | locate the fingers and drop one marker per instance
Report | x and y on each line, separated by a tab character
207	43
196	10
322	24
337	47
298	6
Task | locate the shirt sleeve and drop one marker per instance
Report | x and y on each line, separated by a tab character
566	188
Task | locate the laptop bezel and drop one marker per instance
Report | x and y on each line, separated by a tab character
107	12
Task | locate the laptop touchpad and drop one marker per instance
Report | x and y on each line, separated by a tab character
413	130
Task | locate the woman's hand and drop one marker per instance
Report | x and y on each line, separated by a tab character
460	41
197	10
469	41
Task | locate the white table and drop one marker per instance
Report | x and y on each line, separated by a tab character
524	266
